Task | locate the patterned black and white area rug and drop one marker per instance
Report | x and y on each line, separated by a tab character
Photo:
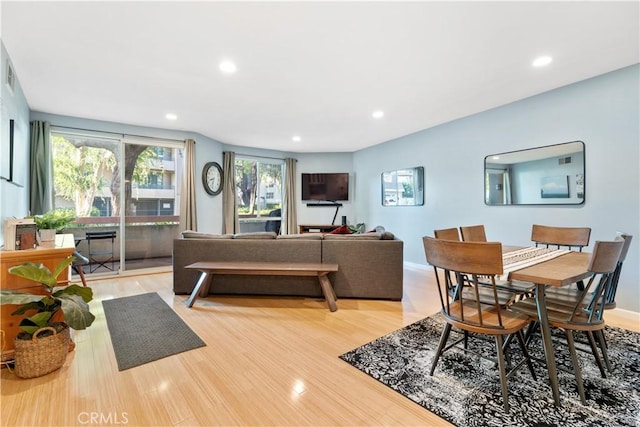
465	389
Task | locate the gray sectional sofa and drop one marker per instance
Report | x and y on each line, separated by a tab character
370	264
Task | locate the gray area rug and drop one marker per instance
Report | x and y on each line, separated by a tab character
465	389
144	328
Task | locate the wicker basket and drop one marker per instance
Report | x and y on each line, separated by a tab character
40	356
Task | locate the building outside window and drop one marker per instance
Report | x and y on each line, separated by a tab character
259	193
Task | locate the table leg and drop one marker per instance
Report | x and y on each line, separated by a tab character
327	290
546	341
194	294
204	290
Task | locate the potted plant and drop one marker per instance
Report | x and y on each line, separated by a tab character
43	342
49	223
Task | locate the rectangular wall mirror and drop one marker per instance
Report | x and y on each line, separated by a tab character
549	175
403	187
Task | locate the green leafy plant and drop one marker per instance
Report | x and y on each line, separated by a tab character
55	219
72	300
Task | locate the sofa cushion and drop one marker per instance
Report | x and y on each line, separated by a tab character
305	236
188	234
256	235
362	236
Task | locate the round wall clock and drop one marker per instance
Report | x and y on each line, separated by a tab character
212	178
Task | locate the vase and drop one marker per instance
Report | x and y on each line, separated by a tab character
47	237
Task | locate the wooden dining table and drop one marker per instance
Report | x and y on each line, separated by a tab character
560	271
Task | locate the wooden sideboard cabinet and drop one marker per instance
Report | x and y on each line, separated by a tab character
317	228
50	257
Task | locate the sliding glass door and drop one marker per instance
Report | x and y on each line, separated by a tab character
151	206
125	195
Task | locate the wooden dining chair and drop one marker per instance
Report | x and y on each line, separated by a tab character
473	233
569	237
466	310
610	296
580	316
508	291
447	234
506	296
567	295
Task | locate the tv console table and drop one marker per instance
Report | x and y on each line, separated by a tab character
317	228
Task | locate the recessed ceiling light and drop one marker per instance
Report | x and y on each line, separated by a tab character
228	67
296	138
171	116
542	61
377	114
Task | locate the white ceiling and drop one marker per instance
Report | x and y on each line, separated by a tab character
313	69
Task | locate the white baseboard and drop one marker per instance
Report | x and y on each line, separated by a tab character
416	266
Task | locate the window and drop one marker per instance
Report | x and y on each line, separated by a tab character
259	209
121	183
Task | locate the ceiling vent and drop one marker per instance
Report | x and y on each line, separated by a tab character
564	160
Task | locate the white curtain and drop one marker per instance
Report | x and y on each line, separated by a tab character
506	194
188	219
230	222
290	220
41	169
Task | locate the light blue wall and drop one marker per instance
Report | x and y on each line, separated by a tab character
14	200
603	112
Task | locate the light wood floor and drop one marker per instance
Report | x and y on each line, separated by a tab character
268	361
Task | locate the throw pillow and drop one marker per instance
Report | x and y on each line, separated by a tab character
343	229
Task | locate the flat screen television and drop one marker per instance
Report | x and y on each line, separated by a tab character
325	186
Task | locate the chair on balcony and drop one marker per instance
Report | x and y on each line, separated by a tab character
100	252
274	225
78	261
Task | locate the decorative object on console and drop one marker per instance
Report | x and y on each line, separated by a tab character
212	178
51	222
19	234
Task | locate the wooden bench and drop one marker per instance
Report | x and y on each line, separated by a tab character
209	268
